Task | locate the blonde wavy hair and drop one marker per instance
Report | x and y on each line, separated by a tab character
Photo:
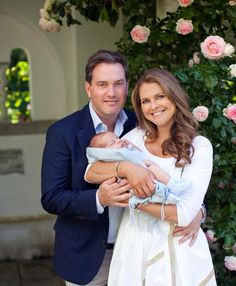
184	128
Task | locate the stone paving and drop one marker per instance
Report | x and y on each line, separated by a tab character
28	273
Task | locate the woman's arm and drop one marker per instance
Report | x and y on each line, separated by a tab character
99	171
199	174
140	179
163	212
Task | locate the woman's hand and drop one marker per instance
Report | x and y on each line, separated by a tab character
140	179
190	231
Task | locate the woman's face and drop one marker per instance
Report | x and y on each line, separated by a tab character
156	106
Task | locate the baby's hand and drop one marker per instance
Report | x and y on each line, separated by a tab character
153	167
158	173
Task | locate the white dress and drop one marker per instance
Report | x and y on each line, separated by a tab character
145	252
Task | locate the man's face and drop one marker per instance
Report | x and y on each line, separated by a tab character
107	90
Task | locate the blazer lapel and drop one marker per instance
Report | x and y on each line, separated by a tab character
129	124
86	128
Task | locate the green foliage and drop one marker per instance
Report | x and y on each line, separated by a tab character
18	96
93	10
207	83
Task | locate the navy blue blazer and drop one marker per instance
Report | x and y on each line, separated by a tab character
80	232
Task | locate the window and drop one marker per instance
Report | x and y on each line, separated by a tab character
14	93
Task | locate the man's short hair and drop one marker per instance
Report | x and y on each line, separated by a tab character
108	57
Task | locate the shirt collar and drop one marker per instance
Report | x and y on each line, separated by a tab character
101	127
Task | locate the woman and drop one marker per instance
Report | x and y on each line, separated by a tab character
145	252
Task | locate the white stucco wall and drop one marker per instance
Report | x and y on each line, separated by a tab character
57	59
166	5
57	63
20	193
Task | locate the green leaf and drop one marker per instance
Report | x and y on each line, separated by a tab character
182	76
211	82
216	123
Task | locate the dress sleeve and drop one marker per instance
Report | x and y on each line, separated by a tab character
199	174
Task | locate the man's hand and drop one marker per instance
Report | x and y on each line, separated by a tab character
190	231
140	179
113	193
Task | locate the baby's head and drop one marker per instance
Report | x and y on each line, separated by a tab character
107	140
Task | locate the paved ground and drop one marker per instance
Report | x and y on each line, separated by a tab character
28	273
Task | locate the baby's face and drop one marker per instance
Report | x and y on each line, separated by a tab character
112	141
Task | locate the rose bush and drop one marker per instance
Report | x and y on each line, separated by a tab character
203	61
104	10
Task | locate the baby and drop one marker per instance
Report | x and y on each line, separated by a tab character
106	146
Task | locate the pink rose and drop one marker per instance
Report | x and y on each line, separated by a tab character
230	263
229	50
230	112
49	25
184	27
213	47
210	235
185	3
140	34
200	113
232	2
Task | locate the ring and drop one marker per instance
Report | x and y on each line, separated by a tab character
131	192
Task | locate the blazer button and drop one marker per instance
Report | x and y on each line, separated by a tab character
81	217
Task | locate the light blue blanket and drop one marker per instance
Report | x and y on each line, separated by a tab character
166	194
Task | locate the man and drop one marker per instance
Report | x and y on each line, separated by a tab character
85	229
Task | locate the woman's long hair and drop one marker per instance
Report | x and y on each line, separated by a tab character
184	128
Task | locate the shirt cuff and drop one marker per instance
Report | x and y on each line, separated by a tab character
88	166
100	208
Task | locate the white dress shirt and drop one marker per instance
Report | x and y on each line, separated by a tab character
114	212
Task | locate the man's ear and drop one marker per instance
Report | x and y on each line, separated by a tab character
87	87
